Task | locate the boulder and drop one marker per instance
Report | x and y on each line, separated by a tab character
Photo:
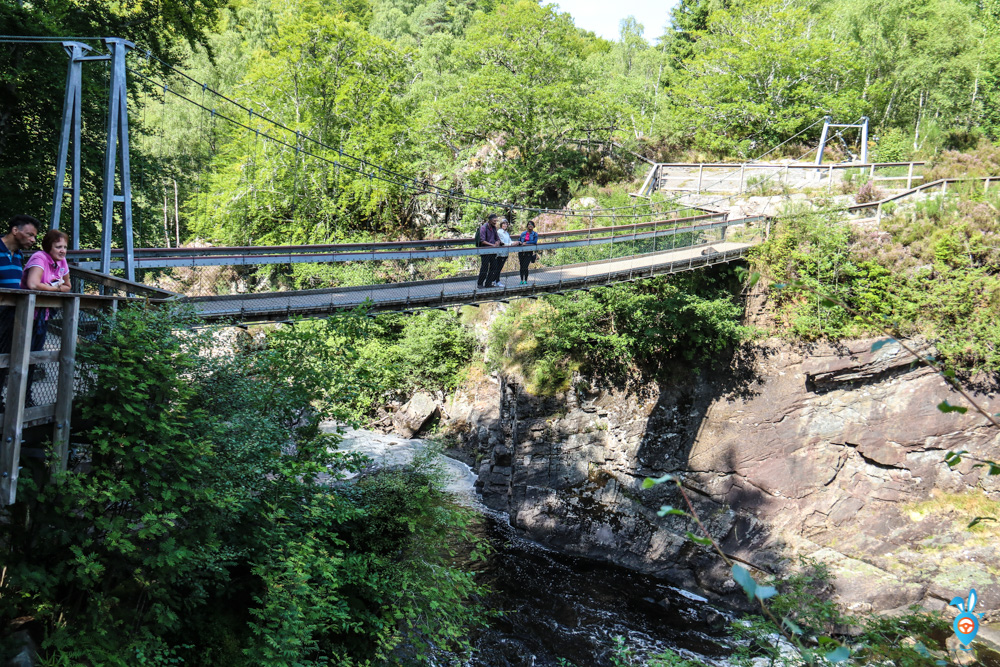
412	417
583	203
27	655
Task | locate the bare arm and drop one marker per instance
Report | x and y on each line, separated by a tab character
34	282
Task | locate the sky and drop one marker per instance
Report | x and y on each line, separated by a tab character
602	16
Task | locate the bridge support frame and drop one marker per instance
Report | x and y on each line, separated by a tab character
117	138
70	135
863	126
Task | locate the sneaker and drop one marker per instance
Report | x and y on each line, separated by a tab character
498	284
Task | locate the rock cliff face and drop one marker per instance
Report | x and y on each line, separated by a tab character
831	453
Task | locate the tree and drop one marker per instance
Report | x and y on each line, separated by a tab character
204	528
32	81
760	72
922	62
521	90
630	78
337	87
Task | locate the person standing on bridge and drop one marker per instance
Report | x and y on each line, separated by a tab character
21	233
488	238
528	237
506	242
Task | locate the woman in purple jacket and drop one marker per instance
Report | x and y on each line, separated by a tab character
528	237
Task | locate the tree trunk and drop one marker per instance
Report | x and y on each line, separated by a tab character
166	231
177	220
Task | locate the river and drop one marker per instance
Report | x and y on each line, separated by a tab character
559	610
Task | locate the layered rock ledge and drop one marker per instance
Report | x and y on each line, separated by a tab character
831	453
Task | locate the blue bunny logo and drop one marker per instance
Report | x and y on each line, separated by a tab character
966	624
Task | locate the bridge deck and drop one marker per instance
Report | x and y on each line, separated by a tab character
461	290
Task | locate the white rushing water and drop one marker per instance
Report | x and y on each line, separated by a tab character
391	450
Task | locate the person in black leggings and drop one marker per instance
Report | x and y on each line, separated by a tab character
528	237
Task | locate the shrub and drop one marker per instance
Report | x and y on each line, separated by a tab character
868	193
202	502
620	332
915	275
893	145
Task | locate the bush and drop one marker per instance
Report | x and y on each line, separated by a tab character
915	275
620	332
868	193
894	145
202	504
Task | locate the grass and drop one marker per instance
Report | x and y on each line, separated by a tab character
961	509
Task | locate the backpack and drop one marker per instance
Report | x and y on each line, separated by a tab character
475	239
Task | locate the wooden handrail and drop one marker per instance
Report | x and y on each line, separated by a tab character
127	286
918	188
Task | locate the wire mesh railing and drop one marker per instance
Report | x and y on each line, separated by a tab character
384	276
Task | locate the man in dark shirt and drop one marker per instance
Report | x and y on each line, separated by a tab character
487	237
21	233
22	230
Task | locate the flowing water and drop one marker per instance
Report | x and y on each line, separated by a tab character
553	609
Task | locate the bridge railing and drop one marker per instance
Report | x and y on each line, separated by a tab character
755	178
212	272
566	264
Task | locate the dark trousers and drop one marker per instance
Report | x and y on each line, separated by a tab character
38	335
525	259
6	339
485	270
498	264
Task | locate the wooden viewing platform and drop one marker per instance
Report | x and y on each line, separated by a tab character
71	315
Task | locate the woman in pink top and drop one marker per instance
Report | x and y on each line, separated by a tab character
46	271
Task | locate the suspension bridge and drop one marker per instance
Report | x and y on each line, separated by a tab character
581	250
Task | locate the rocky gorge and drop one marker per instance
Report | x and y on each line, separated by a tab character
830	453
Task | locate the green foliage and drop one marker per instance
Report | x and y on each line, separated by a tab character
619	331
33	78
759	73
340	85
204	502
397	355
893	146
803	603
933	274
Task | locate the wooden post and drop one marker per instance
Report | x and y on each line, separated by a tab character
17	383
701	170
944	186
64	387
742	169
909	178
829	187
986	188
871	172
